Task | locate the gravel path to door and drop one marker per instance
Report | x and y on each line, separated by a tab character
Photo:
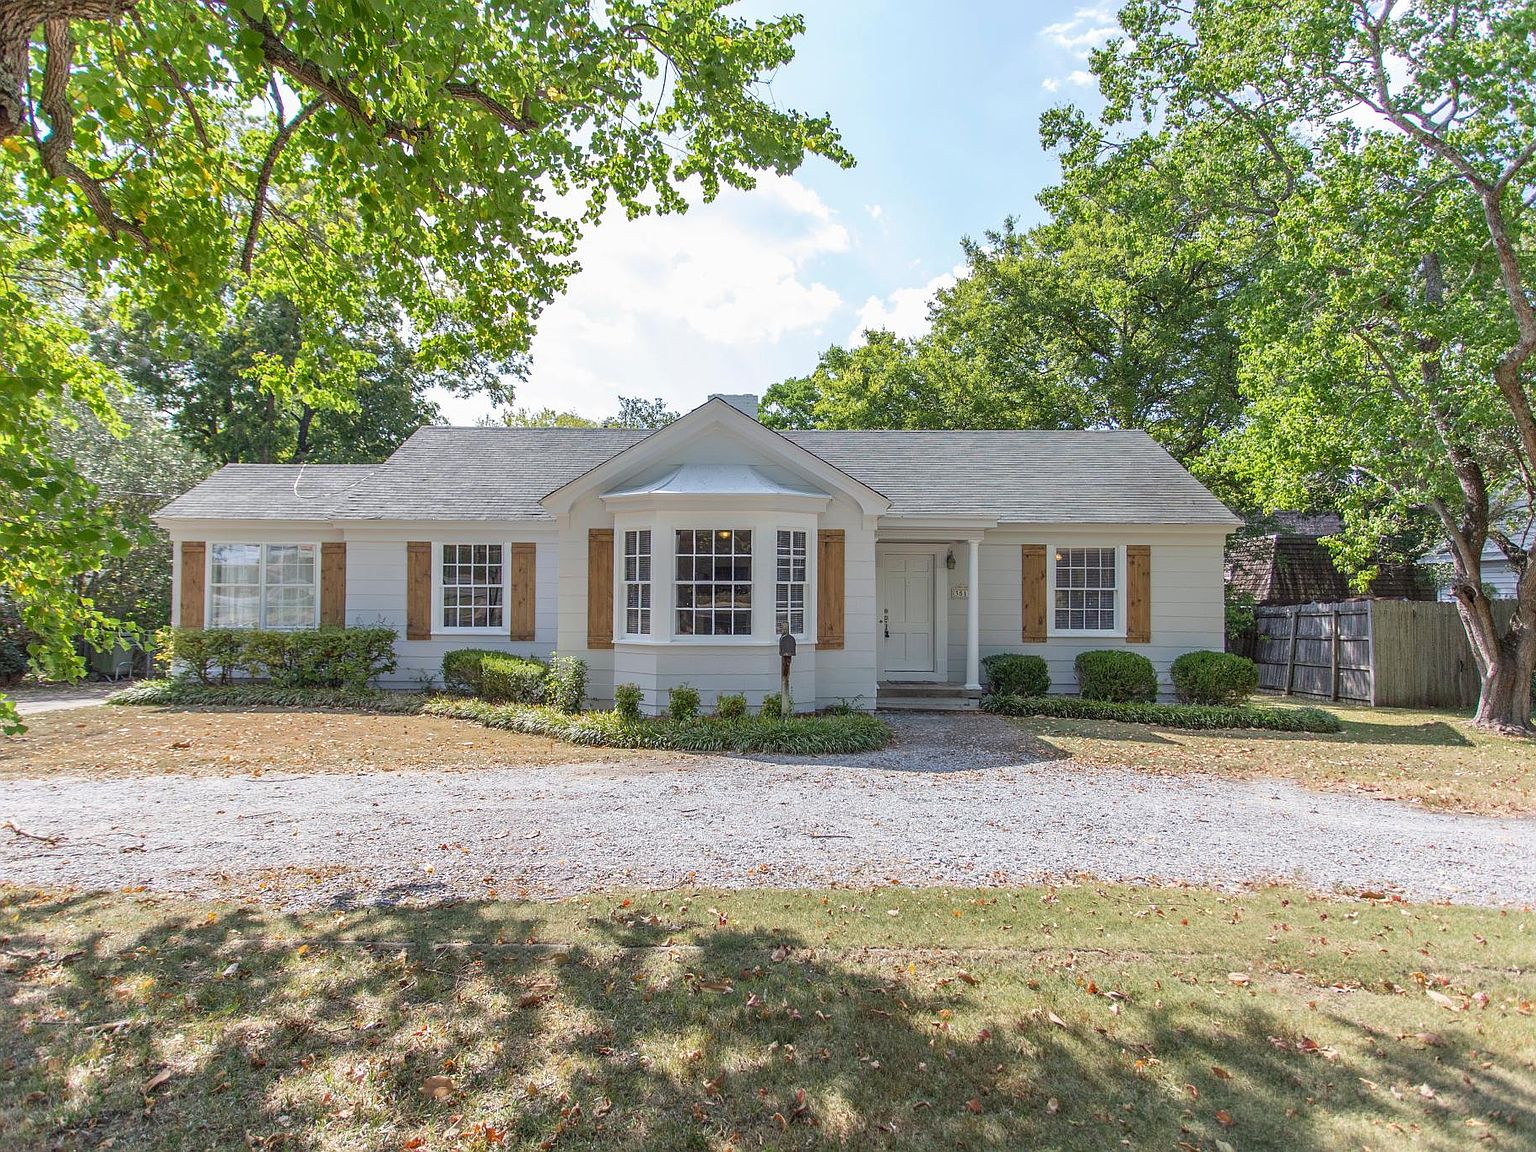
957	800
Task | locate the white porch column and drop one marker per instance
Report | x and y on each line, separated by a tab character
973	616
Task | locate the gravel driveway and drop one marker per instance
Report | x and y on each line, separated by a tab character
958	799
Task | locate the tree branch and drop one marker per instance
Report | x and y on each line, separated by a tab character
55	147
264	180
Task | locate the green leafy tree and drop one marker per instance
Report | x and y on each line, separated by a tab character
1387	345
1116	313
542	418
133	475
185	159
212	389
637	413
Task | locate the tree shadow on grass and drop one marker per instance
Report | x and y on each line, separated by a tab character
642	1034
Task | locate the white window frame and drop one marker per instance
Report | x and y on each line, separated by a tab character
438	627
1118	631
804	582
648	584
261	587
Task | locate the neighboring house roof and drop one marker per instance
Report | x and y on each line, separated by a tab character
444	473
269	492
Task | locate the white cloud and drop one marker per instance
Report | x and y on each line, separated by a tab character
720	299
875	211
1087	30
1050	85
904	311
1081	79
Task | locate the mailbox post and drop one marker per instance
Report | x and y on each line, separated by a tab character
786	654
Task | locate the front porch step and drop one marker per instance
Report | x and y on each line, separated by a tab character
917	696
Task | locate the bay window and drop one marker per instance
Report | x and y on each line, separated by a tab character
1086	589
263	586
714	582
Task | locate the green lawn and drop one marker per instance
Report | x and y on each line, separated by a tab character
1436	759
1081	1018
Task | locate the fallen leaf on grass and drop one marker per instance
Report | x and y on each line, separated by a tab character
157	1080
973	1104
1220	1073
1443	1000
967	978
1224	1118
1053	1106
437	1087
1241	979
1055	1019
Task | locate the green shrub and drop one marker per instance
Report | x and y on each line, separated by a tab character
13	662
512	679
683	702
464	670
1214	678
799	735
731	706
627	699
313	658
565	685
189	693
1015	674
1113	674
772	707
1191	716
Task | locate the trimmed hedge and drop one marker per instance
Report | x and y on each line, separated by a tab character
1114	674
1214	678
191	694
314	658
799	735
1015	674
464	669
731	706
1191	716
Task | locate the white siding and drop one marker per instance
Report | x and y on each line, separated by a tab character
376	596
1187	605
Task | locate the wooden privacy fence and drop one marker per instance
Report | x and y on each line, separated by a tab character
1386	653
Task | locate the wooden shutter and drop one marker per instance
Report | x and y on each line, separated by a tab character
333	585
1034	593
193	582
418	590
523	556
830	572
1138	594
600	588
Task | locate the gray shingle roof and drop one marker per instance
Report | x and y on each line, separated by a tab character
444	473
1030	476
268	492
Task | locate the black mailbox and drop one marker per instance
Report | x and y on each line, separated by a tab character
786	645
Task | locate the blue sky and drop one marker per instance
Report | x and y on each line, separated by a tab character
939	103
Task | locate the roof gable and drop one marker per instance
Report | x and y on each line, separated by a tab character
719	418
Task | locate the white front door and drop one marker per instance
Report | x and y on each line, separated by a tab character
906	613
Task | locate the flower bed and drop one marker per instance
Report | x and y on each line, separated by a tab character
797	735
1191	716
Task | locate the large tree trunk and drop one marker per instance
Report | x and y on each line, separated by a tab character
1506	657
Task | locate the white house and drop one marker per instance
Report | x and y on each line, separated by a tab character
680	555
